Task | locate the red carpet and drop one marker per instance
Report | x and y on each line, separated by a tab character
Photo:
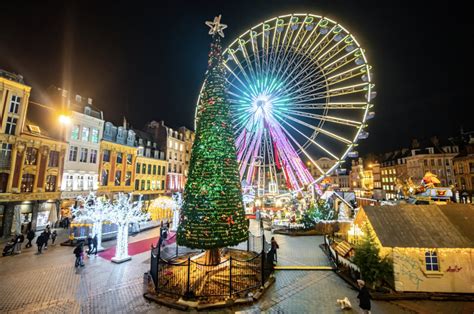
138	247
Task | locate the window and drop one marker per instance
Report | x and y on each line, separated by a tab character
176	145
119	158
174	168
181	147
162	184
170	144
180	168
118	177
5	155
93	158
80	183
163	170
104	179
440	162
149	169
90	183
432	162
10	127
15	104
159	170
95	136
144	168
84	153
175	156
143	185
148	184
431	261
147	152
425	162
31	156
27	183
154	169
129	159
53	159
106	156
137	185
128	178
69	180
85	134
138	167
50	183
75	132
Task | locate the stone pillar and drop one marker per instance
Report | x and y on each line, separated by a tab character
8	219
34	215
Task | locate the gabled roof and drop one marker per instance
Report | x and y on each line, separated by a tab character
423	226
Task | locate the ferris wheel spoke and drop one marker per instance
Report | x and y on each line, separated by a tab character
326	150
247	86
247	78
323	118
331	105
335	92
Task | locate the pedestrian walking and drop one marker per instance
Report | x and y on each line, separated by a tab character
364	297
89	244
94	245
164	236
79	253
40	242
47	235
18	242
30	236
274	248
53	236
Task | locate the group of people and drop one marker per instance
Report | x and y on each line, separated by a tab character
15	244
43	238
92	243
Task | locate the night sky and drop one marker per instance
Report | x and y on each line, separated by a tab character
147	60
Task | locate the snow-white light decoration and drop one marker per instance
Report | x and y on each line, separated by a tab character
177	203
123	212
93	210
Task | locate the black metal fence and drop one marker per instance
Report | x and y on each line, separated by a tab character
189	278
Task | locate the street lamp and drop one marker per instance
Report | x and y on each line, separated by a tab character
64	120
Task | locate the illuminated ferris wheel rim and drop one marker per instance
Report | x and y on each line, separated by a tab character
306	23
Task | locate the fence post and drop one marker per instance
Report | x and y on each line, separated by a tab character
248	242
188	276
263	267
230	276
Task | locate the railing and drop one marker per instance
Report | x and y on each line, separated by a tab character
192	279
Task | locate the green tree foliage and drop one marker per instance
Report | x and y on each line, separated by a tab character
373	268
212	215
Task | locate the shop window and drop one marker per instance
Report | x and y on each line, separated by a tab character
53	159
118	177
80	183
431	261
27	182
128	178
31	156
51	183
104	179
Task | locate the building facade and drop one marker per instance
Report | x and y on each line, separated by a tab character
118	155
81	165
463	165
150	169
393	170
188	137
31	163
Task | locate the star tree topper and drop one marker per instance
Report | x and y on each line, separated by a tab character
216	26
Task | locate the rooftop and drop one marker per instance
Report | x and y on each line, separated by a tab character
423	226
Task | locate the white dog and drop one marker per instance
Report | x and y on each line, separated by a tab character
344	303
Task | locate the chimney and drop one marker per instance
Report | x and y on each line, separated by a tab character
125	122
415	143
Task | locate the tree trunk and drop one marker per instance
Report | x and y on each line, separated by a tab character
121	251
97	229
212	257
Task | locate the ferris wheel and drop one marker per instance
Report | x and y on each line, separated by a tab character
299	88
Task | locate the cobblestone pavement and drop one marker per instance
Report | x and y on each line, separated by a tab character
49	283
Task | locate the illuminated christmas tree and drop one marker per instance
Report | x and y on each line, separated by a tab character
212	215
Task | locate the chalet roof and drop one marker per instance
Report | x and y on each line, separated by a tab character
424	226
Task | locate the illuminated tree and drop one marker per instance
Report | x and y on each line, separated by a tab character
123	212
93	210
212	215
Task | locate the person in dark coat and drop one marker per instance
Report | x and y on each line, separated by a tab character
79	253
94	245
47	235
364	297
30	236
40	242
53	236
274	248
90	244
